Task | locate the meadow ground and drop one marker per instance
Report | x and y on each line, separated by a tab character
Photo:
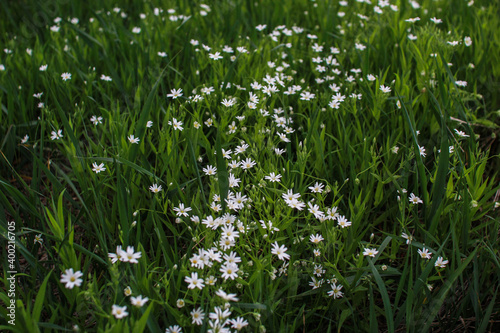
279	166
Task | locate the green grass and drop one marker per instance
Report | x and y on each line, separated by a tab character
362	152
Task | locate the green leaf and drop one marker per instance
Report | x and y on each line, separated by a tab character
141	323
385	297
486	318
143	119
437	302
439	189
222	174
40	297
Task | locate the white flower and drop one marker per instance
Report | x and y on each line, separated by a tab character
129	255
96	120
283	137
467	41
227	297
421	151
219	315
314	209
318	270
228	103
229	271
316	238
174	329
211	280
98	168
238	323
317	188
360	47
335	292
138	301
43	68
385	89
315	283
106	78
127	291
175	93
280	251
343	222
133	139
116	256
440	262
119	311
461	134
215	56
306	96
177	125
136	30
155	188
408	238
424	253
331	213
413	20
247	164
71	278
210	170
194	281
414	199
38	239
56	135
273	177
370	252
65	76
180	303
197	316
181	211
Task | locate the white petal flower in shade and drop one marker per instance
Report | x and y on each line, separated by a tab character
370	252
197	316
424	253
155	188
414	199
440	262
227	297
66	76
119	311
335	292
138	301
129	255
133	139
194	281
280	251
98	168
71	278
